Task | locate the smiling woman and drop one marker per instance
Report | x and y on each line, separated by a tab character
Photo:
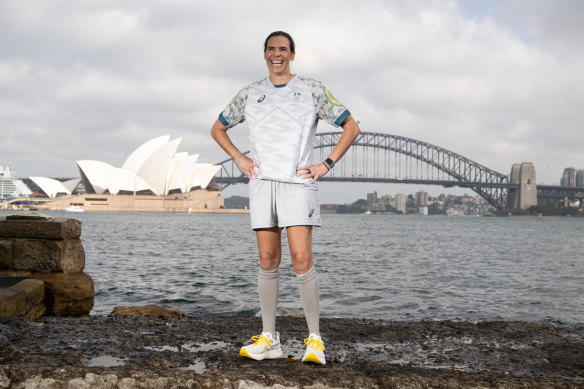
284	110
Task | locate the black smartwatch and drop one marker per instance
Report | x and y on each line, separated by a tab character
329	162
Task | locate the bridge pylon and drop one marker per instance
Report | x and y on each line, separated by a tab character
525	195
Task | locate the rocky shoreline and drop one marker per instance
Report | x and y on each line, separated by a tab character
150	352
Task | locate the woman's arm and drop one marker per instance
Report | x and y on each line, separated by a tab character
219	133
350	131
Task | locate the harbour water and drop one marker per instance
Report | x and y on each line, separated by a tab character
385	267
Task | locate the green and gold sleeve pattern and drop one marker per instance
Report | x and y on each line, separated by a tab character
234	113
327	107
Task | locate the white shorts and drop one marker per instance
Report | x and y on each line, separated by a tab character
282	204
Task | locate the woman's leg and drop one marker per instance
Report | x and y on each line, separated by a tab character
300	242
270	249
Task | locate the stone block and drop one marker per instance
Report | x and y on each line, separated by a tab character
46	256
6	254
51	228
67	294
23	299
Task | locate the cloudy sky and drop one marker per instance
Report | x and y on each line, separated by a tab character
498	81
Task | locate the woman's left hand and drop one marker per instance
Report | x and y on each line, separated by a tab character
314	172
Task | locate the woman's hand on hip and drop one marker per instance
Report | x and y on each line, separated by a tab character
314	172
247	166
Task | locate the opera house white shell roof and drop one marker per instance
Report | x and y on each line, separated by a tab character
52	187
154	167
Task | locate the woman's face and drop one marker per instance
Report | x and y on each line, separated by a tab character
278	55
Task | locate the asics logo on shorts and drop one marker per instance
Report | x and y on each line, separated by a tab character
261	98
310	213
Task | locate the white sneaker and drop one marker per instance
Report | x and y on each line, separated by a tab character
314	350
263	346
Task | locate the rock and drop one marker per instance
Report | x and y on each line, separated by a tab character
67	294
28	216
147	310
108	381
17	226
14	273
4	381
42	255
24	298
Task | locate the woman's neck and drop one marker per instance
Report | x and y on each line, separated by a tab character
281	79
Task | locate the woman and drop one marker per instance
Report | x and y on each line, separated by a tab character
282	113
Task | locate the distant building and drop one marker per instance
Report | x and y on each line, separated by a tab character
422	199
569	177
400	202
372	198
580	178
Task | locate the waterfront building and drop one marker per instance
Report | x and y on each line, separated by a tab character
580	178
11	186
371	198
569	177
154	178
422	198
400	202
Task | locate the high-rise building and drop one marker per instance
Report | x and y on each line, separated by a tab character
372	198
400	202
580	178
422	199
569	177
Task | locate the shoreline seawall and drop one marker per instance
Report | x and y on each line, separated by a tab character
98	351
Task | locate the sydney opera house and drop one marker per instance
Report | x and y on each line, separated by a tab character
154	178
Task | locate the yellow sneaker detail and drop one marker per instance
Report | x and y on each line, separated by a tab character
263	346
311	357
243	352
314	350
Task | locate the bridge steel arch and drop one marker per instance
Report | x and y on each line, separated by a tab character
461	171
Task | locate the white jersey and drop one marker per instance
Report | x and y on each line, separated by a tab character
282	121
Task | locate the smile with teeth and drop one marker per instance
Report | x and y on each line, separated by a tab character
276	62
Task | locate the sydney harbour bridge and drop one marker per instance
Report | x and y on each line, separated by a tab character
385	158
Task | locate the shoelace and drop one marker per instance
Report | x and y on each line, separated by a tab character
260	339
314	344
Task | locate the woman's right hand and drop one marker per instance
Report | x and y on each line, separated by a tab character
247	166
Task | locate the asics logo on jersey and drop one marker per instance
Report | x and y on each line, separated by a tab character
261	98
311	212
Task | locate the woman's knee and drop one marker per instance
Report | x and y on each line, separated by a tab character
302	261
269	260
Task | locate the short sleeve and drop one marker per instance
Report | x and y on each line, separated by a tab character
234	113
327	107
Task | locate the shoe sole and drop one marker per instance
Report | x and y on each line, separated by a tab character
274	354
311	357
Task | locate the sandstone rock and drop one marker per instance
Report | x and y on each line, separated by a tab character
52	228
24	298
41	255
14	273
67	294
147	310
28	216
6	254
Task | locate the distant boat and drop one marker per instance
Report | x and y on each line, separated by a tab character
368	212
73	208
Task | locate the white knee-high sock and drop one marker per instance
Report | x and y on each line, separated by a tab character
308	286
269	288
